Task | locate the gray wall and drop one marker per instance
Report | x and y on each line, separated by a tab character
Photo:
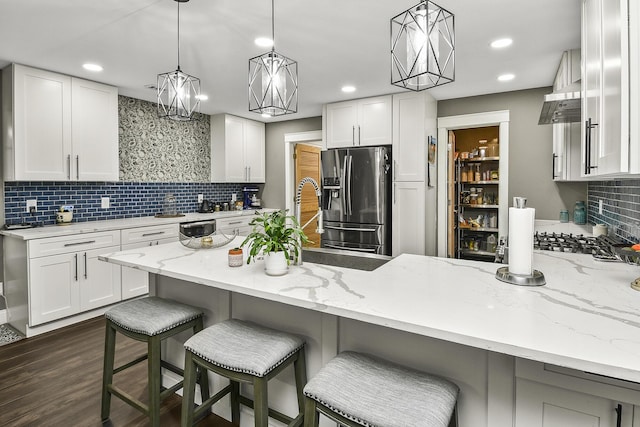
530	149
273	192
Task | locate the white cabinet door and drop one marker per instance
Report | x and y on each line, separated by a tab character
342	119
54	288
41	143
374	121
408	218
591	82
94	131
254	151
237	149
409	137
541	405
99	281
136	282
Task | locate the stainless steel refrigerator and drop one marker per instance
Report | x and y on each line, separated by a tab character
356	199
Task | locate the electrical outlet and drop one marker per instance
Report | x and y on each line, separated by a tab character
600	206
104	202
200	198
32	206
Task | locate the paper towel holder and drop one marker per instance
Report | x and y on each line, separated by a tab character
535	279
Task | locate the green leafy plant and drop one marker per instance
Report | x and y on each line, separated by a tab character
274	232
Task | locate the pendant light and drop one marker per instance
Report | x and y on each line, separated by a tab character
422	47
178	92
273	81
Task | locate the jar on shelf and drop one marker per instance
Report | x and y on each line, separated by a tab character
564	215
477	173
580	213
463	174
479	199
493	148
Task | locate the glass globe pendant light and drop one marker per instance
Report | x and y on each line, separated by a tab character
422	47
178	92
273	82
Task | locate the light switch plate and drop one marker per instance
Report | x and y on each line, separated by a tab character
32	204
200	198
104	203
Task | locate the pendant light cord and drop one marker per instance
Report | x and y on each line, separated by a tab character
178	35
273	31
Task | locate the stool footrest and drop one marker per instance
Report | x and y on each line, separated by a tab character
276	415
123	395
172	368
130	364
204	406
169	391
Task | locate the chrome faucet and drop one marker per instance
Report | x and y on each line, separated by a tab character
318	215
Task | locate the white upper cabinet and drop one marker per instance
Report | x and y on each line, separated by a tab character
58	128
360	122
237	149
94	131
607	146
409	137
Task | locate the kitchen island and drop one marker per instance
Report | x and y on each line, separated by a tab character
450	317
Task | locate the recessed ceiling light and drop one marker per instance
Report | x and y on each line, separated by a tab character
500	43
202	97
263	42
506	77
348	89
92	67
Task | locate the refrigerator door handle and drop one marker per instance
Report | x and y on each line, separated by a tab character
333	227
343	183
349	182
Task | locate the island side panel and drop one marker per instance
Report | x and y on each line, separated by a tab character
16	279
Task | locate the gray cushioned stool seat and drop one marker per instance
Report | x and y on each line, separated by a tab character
242	346
375	392
152	315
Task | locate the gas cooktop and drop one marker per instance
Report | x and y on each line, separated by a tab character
600	247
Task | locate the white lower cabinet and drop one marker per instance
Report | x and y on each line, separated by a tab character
551	396
136	282
408	213
65	276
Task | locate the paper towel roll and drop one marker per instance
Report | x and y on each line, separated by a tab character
521	222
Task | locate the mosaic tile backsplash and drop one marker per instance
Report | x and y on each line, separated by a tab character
127	199
161	150
621	207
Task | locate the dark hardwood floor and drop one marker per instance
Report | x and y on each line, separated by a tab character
54	379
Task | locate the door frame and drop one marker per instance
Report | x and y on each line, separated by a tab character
475	120
313	137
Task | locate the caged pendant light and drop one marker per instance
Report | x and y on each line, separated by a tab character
273	82
422	47
178	92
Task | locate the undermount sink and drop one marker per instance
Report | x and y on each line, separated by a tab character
345	259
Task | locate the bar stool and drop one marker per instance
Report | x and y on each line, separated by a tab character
355	390
243	352
150	320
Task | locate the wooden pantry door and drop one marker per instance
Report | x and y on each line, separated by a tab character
307	161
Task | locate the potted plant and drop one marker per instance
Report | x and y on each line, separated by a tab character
279	237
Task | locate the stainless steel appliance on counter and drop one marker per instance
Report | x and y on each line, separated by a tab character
356	199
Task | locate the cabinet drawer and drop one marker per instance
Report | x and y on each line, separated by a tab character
233	222
79	242
147	234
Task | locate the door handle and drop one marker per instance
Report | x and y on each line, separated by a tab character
333	227
77	167
353	135
553	166
587	161
69	166
619	415
249	174
85	265
75	277
88	242
349	179
359	137
153	234
235	222
351	249
395	168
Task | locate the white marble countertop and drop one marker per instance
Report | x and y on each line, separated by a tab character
115	224
585	318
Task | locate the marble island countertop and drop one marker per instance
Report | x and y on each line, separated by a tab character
585	318
117	224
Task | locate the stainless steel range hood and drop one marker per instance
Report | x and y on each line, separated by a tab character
562	106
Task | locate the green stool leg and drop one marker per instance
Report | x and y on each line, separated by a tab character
189	389
155	380
260	402
311	416
107	372
300	369
235	402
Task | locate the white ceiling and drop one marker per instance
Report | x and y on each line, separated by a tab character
335	42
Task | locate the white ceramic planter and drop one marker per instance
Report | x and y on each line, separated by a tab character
275	263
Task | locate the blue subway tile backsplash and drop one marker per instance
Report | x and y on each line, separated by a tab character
127	199
620	207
